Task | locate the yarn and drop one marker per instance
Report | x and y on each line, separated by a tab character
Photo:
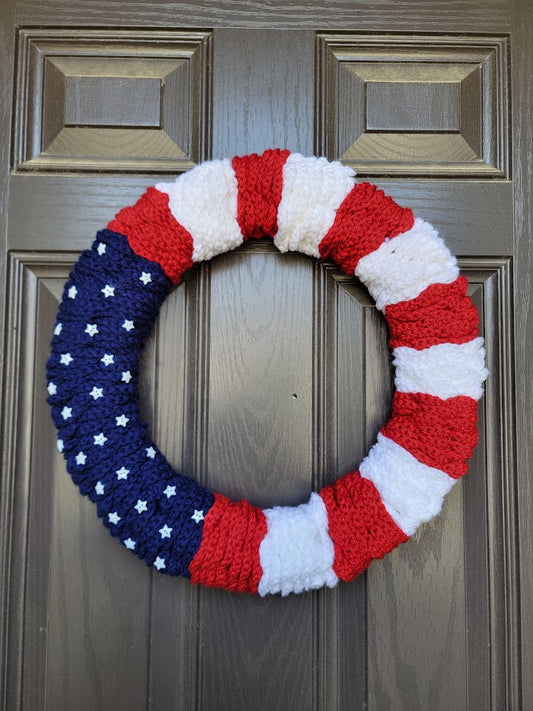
259	182
111	302
442	313
228	556
439	433
359	525
154	234
363	221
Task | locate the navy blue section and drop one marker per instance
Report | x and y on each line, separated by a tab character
92	380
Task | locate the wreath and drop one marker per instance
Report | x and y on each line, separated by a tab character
109	306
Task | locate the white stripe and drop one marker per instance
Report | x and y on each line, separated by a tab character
297	553
403	266
411	491
444	370
204	201
313	189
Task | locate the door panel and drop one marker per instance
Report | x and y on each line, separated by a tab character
267	375
100	100
389	16
414	105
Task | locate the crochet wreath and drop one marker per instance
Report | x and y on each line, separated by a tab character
111	301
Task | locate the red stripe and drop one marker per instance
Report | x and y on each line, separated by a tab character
228	556
359	525
154	234
364	219
439	433
442	313
260	182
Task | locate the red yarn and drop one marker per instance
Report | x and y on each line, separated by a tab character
359	525
442	313
439	433
364	219
228	556
154	234
260	183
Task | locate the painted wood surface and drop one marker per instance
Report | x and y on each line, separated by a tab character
267	375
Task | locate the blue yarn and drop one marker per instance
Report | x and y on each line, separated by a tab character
102	476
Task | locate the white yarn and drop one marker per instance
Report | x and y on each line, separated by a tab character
411	491
297	552
313	189
445	370
403	266
204	201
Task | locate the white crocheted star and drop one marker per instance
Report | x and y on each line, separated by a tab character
141	506
159	563
165	531
81	458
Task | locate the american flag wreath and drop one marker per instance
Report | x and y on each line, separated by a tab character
111	302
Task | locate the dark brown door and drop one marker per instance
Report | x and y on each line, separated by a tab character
268	375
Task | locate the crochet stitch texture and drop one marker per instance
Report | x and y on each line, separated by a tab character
110	304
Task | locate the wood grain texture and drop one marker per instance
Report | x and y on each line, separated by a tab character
94	650
252	388
388	15
258	445
467	574
348	318
492	606
522	78
421	582
414	105
7	41
174	603
263	91
259	442
16	431
353	312
240	669
98	626
112	101
472	216
435	625
67	531
417	593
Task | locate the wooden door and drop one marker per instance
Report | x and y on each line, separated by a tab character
268	375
